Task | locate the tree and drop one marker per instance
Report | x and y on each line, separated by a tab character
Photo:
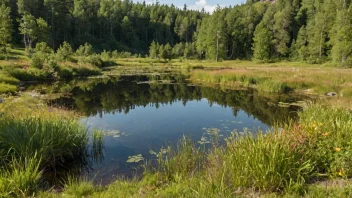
282	30
342	37
299	47
108	11
262	43
33	30
5	28
154	50
165	52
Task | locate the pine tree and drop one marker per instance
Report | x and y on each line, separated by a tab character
300	49
262	43
153	50
5	28
341	35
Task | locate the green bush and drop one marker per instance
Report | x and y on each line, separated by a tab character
38	60
94	60
64	53
85	50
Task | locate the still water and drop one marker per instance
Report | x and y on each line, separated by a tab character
143	113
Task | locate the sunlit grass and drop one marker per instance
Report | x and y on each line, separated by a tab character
283	162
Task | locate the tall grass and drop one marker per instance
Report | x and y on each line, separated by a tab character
260	82
21	177
56	140
185	160
33	146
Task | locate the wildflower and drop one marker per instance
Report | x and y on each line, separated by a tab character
337	149
320	124
325	134
341	172
313	125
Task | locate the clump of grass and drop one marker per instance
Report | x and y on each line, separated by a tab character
56	140
79	187
5	88
184	161
6	78
20	177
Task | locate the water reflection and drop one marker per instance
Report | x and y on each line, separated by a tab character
143	113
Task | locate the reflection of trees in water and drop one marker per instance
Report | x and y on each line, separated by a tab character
108	96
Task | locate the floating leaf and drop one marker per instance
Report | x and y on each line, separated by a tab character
135	158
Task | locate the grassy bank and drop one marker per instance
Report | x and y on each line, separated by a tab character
36	143
308	158
43	65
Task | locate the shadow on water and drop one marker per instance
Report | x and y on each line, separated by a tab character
139	113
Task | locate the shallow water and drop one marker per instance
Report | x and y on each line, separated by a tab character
144	113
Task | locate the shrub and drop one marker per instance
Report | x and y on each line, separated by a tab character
94	60
106	56
38	60
64	53
85	50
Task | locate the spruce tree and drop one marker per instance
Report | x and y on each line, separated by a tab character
5	28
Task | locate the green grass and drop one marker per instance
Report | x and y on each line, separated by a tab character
38	140
56	139
5	88
280	80
291	162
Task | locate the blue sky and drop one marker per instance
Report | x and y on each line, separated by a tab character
208	5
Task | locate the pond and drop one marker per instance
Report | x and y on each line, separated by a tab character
143	113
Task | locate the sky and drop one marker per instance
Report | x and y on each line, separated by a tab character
208	5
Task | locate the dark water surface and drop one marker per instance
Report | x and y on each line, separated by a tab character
143	113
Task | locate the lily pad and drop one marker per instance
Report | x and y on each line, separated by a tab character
135	158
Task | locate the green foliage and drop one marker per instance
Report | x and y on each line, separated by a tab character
154	50
329	131
42	55
342	38
165	52
177	164
5	28
5	88
85	50
53	139
21	177
262	43
33	29
64	53
79	187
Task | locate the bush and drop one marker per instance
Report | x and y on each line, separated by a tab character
94	60
37	60
64	53
85	50
106	56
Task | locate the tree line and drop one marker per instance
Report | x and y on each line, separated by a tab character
314	31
